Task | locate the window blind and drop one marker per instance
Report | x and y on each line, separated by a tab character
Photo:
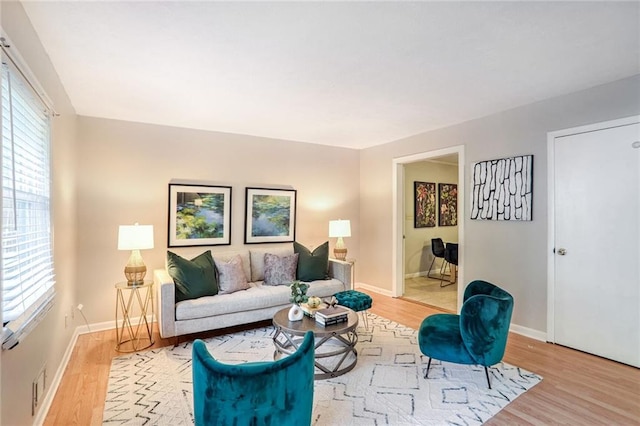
26	256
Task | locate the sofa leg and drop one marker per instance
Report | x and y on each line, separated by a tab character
486	372
426	374
175	345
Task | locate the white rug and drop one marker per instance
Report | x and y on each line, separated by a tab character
387	386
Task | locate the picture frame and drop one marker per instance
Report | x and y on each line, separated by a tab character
502	189
447	204
424	202
199	215
270	215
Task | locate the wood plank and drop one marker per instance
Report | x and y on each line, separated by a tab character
577	388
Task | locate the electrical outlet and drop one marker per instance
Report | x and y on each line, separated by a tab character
37	390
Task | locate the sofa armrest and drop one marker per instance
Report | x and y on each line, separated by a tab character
341	270
165	303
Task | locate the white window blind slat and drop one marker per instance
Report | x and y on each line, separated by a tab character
28	277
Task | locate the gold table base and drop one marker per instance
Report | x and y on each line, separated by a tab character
134	336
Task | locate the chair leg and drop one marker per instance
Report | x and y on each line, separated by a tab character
365	317
448	282
443	267
431	266
442	275
426	374
486	372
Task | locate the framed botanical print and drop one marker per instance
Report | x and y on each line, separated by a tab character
448	204
424	204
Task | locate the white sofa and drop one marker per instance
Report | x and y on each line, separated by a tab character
259	302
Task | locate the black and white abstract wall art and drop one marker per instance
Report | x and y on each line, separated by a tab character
502	189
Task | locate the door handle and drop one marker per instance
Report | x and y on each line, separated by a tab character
562	251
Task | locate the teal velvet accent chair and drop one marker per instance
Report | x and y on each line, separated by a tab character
259	393
478	336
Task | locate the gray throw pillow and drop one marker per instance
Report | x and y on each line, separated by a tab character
193	278
280	270
231	277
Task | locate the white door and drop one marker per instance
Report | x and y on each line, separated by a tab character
597	242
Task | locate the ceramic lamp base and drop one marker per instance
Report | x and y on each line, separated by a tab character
340	253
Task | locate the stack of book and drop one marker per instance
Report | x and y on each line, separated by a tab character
309	311
332	315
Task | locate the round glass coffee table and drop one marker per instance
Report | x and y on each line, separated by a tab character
335	345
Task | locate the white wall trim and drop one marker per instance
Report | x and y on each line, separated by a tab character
374	289
57	378
551	137
397	243
417	274
528	332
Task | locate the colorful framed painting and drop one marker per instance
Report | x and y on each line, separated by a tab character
270	215
448	204
424	204
199	215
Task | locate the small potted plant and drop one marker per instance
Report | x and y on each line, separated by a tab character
298	296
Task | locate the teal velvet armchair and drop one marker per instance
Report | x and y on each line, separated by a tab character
261	393
477	336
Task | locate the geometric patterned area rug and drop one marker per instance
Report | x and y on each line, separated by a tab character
386	387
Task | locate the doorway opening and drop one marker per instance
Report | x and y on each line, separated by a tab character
416	274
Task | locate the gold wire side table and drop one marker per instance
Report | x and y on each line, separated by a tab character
132	335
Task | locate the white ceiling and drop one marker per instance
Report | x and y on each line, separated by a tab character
349	74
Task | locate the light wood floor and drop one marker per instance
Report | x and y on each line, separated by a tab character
577	389
428	291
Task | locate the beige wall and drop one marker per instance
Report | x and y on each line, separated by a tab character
417	243
510	254
46	345
124	169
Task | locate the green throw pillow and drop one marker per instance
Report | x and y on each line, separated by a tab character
193	278
312	266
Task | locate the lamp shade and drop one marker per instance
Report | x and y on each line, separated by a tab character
135	237
339	228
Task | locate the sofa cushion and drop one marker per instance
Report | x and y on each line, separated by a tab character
257	259
231	276
312	265
227	255
280	270
193	278
258	296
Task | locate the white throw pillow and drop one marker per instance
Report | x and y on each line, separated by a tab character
231	276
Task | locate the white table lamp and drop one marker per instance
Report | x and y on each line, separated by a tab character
339	229
135	238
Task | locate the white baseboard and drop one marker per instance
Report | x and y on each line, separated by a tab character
417	274
529	332
374	289
57	378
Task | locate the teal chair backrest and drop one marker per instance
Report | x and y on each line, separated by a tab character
484	321
261	393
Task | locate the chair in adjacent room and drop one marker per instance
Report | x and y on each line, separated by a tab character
451	257
478	336
437	249
257	393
